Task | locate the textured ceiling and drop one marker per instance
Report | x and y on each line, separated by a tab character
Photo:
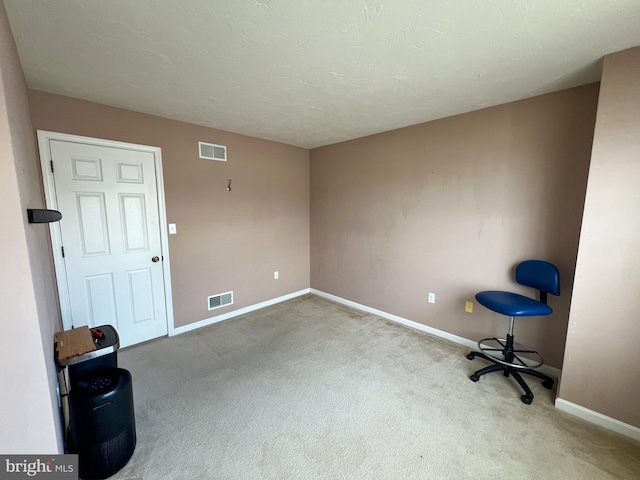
312	73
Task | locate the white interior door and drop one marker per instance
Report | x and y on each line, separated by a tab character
110	235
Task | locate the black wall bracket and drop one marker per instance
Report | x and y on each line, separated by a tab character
39	215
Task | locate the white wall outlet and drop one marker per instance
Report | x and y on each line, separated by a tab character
172	229
432	297
276	275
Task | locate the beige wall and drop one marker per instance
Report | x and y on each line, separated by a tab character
601	370
30	420
226	240
450	207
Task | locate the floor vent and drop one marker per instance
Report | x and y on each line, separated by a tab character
220	300
210	151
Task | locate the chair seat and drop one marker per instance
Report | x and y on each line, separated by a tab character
512	304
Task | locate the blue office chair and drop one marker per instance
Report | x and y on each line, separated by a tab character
510	357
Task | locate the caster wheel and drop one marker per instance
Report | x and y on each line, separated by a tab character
471	356
474	378
526	399
548	384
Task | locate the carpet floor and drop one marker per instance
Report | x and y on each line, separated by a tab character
309	389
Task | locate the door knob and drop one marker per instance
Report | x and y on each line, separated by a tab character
155	259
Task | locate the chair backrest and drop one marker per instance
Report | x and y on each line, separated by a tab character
538	274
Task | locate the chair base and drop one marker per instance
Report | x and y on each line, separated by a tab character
527	398
521	356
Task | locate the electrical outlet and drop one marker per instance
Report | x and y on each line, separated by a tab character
172	229
432	297
468	307
276	275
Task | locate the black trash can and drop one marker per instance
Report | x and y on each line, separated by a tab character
102	423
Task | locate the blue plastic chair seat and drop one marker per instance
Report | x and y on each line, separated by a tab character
512	304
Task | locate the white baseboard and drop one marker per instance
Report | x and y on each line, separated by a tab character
551	371
235	313
561	404
599	419
564	405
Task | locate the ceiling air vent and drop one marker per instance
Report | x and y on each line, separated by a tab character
210	151
220	300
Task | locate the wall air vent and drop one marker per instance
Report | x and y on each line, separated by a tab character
220	300
210	151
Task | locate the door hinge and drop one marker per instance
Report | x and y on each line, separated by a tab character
62	251
51	166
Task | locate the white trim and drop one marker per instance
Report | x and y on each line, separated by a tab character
235	313
598	419
54	228
44	137
551	371
164	239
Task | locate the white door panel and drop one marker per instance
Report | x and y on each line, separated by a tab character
110	232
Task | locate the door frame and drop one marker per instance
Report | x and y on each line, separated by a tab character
44	137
